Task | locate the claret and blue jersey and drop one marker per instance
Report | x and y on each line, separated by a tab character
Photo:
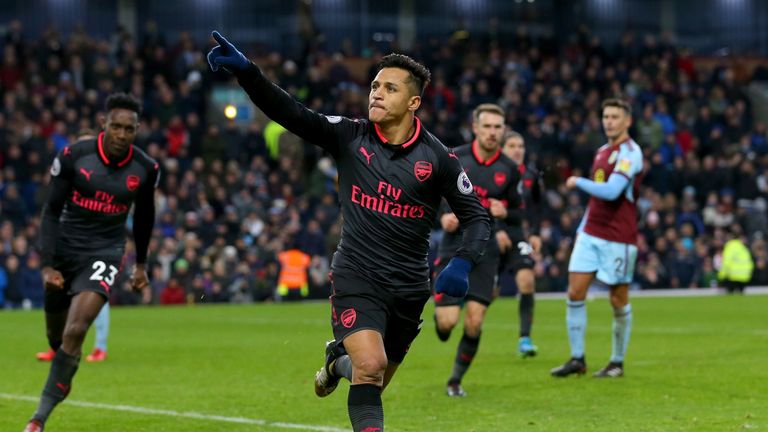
607	238
616	220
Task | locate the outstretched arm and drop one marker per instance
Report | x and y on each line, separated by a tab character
608	191
326	132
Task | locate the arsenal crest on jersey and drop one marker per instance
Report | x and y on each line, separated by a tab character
422	170
348	318
499	178
132	182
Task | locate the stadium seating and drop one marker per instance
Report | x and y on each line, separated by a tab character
233	195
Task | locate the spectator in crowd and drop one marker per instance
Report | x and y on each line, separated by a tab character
173	293
14	295
737	265
32	282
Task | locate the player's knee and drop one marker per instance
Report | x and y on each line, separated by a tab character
525	281
446	323
473	331
445	329
576	293
473	325
370	370
619	296
75	331
618	301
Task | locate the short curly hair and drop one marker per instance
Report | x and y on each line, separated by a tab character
124	101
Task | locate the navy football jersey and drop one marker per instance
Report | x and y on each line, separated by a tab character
389	194
497	177
91	197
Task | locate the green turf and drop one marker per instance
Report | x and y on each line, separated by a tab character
694	364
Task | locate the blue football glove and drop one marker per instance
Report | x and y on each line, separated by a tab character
454	279
225	54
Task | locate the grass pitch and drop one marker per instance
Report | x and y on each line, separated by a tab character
694	364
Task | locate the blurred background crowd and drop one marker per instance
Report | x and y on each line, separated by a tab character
237	202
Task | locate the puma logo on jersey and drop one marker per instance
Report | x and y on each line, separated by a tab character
366	154
86	173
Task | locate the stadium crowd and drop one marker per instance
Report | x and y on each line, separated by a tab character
232	199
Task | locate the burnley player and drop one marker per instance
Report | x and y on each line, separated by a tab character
521	262
606	243
392	177
94	182
495	178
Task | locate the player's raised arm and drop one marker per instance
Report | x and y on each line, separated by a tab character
324	131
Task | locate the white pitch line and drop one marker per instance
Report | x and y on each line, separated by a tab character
188	414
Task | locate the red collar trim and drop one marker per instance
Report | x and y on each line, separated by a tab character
480	160
103	154
629	139
407	143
